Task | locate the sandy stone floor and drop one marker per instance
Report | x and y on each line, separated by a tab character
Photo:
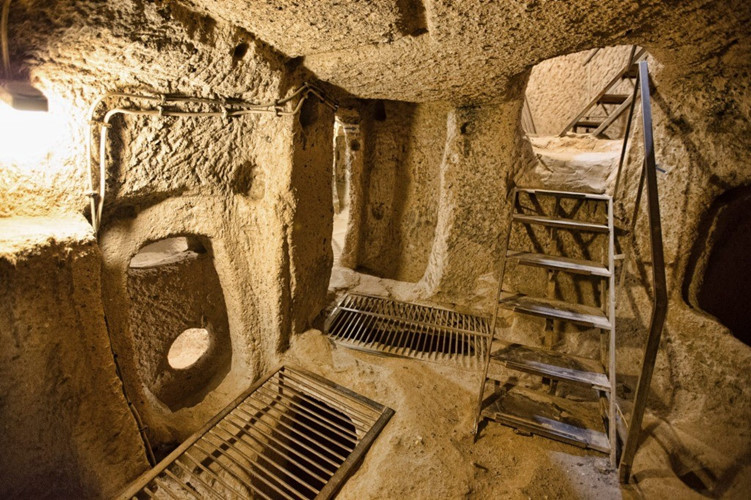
427	449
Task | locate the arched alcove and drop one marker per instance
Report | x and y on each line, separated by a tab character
178	320
574	116
387	164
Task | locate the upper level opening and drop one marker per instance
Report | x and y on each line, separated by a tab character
167	251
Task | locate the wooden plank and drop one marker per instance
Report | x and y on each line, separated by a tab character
587	124
566	194
574	225
613	117
616	79
613	99
548	416
553	364
556	309
558	263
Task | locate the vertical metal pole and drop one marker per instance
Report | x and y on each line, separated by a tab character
659	299
510	220
612	432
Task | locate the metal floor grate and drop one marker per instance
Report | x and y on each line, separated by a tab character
402	329
292	435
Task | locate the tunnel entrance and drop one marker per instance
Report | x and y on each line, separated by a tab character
574	115
724	271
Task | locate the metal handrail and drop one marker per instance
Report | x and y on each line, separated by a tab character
659	283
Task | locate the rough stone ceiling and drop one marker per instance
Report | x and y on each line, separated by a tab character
467	51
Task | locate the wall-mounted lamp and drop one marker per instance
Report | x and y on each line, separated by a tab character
22	96
18	94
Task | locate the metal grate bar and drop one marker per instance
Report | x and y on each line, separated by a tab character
277	450
293	435
396	328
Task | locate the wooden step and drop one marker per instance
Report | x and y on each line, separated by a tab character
574	225
548	416
555	309
613	99
565	194
552	364
632	72
587	124
575	266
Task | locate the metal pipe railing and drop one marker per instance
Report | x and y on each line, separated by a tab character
659	282
220	108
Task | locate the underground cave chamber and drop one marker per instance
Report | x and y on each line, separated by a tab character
245	234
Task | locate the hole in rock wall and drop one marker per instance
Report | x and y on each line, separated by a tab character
188	348
240	50
308	113
379	111
723	274
178	320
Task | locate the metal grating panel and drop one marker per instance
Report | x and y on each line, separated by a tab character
402	329
292	435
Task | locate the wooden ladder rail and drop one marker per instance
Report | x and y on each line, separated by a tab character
634	57
659	282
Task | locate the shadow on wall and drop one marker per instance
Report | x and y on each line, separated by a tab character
178	320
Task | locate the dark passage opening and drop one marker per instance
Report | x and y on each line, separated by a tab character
726	286
419	340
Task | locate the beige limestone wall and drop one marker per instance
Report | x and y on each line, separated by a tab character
77	51
484	147
67	431
354	167
257	188
310	228
402	146
701	119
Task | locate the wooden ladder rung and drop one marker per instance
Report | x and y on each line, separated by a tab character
572	224
551	364
555	309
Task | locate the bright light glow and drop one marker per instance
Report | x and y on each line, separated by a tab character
188	348
28	136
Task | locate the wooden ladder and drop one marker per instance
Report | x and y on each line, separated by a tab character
542	412
607	99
